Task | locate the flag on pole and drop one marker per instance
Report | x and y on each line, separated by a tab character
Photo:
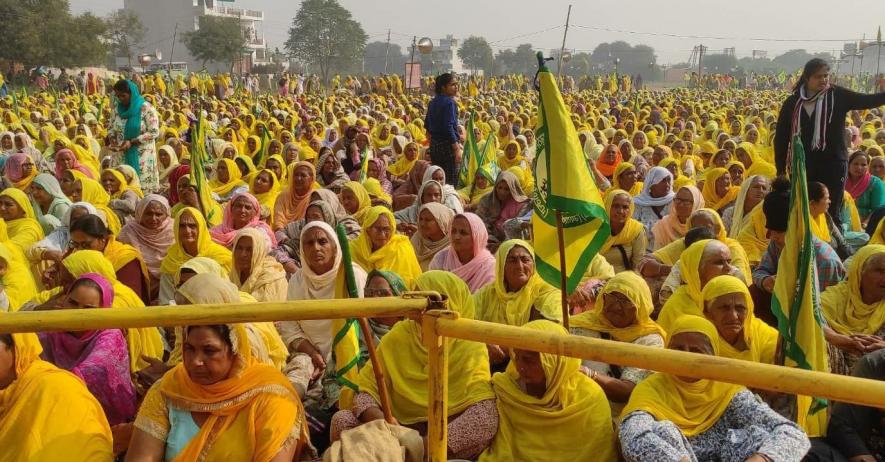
796	300
199	157
261	158
564	183
345	343
364	165
469	159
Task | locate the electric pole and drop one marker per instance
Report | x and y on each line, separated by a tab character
387	53
562	48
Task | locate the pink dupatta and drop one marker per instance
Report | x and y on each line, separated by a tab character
481	269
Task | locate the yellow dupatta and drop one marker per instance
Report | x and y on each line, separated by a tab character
144	341
124	186
504	162
616	180
91	191
758	166
759	338
362	197
47	413
397	255
819	227
120	255
687	299
177	256
253	413
234	179
496	304
268	199
693	407
632	227
531	428
24	231
711	198
404	359
403	165
634	287
753	235
878	236
842	304
18	282
848	202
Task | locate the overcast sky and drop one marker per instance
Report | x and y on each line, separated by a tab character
671	27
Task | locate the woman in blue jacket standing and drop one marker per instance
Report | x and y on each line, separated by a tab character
441	123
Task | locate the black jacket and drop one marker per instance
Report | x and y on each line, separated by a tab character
845	101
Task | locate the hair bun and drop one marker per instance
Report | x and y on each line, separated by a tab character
781	184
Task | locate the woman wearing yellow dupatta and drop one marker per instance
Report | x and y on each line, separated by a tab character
512	157
380	247
753	235
80	188
247	410
729	306
18	283
47	413
192	239
679	179
754	164
518	294
680	418
718	191
699	263
623	313
266	188
247	168
21	222
406	160
542	398
123	199
627	243
227	180
471	407
625	178
856	306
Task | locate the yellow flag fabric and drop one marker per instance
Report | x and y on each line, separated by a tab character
565	184
796	300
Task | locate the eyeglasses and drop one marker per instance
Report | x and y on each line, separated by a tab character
85	245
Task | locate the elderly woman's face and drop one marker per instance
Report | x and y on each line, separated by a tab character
432	193
715	262
620	209
638	140
519	267
303	179
9	209
319	250
531	370
737	175
872	280
691	342
723	184
110	182
618	310
154	216
661	188
242	212
728	313
263	183
243	255
380	232
611	154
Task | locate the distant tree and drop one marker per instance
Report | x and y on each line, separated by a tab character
719	63
218	40
639	59
43	32
476	53
324	34
376	56
124	33
793	60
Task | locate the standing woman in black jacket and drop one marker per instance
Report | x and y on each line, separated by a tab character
817	110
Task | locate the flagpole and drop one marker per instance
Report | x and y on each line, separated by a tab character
878	57
562	48
562	270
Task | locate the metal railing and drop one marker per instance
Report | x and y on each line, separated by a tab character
437	324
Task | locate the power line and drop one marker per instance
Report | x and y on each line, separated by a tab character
712	37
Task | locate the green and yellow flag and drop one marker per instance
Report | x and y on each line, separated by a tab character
199	157
563	183
796	300
469	159
346	343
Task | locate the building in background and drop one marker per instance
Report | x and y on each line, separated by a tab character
160	17
862	58
445	57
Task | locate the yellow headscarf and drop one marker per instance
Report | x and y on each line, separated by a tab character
141	341
752	236
404	359
18	283
397	255
878	236
176	255
124	186
634	287
616	179
132	180
403	165
234	179
713	200
842	304
632	227
693	407
269	198
37	409
505	163
849	203
687	299
760	338
250	167
679	180
496	304
24	231
373	188
239	425
759	166
531	428
362	197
